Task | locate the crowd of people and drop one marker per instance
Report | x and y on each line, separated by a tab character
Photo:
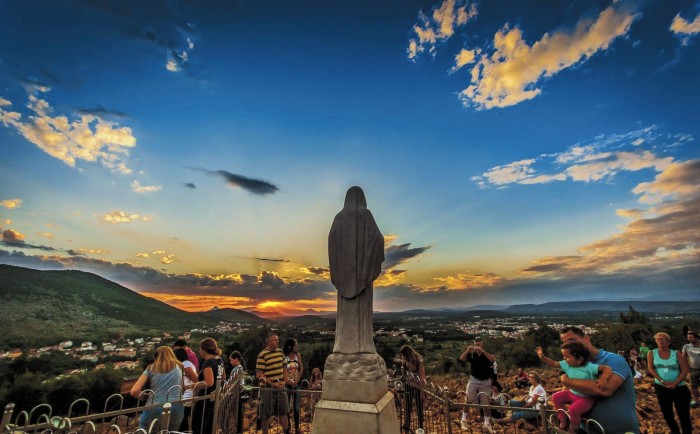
597	384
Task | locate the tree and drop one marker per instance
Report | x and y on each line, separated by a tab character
633	316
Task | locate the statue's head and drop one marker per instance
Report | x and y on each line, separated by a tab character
355	198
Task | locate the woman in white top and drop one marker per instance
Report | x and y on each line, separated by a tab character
189	377
536	398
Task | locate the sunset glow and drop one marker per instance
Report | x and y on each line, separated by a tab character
510	152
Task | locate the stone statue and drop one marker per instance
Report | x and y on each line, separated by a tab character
355	253
355	398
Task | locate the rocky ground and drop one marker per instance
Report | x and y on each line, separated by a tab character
650	417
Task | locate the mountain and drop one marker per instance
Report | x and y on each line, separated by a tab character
606	306
309	320
230	315
45	307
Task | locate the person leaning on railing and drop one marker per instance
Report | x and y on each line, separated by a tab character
212	367
165	377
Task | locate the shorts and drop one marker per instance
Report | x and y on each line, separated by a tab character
273	402
479	389
695	377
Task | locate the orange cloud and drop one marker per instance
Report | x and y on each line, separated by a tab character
470	280
11	203
198	303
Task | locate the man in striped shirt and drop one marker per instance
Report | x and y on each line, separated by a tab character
271	375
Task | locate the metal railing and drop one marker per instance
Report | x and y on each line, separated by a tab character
422	407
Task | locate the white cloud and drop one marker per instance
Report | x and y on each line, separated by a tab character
514	172
439	27
138	188
11	203
599	166
86	138
600	159
680	26
512	72
47	235
115	217
172	66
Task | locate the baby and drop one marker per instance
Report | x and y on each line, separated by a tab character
575	365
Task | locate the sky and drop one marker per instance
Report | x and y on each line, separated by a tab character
511	152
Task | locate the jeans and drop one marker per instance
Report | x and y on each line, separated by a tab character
177	412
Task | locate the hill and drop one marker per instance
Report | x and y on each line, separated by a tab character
230	315
45	307
606	306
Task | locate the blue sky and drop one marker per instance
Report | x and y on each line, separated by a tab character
511	152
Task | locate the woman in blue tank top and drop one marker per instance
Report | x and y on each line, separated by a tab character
669	369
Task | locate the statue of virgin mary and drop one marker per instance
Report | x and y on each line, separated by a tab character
355	253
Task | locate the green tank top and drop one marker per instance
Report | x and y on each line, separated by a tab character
668	369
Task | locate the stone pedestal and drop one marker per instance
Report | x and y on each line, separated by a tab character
347	417
361	405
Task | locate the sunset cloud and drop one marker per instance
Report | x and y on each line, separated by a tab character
86	137
142	255
201	303
255	186
469	280
13	238
685	29
317	271
47	235
513	71
599	159
138	188
92	251
11	203
396	255
439	27
678	181
167	259
116	217
657	239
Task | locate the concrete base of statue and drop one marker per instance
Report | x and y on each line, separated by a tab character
361	404
347	417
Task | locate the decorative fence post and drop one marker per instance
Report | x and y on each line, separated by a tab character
217	394
446	403
7	417
165	417
543	418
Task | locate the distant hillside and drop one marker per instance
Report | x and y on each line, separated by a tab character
42	307
309	320
607	306
231	315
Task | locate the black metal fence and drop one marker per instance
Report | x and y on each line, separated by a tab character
236	407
